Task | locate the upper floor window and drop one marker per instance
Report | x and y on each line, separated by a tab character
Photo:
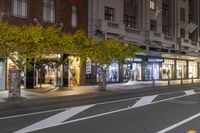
109	14
153	25
152	4
166	30
131	2
49	11
20	8
166	11
130	21
182	14
74	16
182	33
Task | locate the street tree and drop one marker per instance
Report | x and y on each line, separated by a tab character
27	44
103	53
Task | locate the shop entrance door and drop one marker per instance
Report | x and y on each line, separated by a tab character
47	75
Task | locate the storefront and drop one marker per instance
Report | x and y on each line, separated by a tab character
112	73
192	69
152	68
47	72
167	69
74	71
2	74
132	70
181	69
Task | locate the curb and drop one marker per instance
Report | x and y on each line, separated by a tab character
75	100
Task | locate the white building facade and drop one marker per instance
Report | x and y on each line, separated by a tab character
167	31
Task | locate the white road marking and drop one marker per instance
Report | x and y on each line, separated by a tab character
112	112
190	92
41	112
1	100
144	101
95	116
179	124
55	119
28	114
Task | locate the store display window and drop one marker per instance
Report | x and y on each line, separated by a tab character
192	69
181	69
167	69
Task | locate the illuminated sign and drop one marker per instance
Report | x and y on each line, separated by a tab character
133	60
138	60
155	60
88	66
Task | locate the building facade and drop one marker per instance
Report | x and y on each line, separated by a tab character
167	31
71	15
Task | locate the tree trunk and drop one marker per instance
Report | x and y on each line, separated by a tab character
102	86
14	90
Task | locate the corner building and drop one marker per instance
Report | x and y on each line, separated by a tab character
167	31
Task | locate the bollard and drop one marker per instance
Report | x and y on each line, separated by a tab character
181	80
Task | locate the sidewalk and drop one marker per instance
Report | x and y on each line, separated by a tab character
81	90
72	96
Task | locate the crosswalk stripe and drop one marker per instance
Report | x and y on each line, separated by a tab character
190	92
1	101
144	101
55	119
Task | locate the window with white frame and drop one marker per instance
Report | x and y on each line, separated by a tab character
74	16
152	4
49	11
109	14
20	8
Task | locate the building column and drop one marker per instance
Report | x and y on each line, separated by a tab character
187	69
175	69
143	68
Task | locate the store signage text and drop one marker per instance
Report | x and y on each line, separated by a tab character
154	60
134	60
88	66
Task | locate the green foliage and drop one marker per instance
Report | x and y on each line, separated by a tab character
23	44
105	52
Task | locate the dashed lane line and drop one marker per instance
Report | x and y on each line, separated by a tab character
179	123
190	92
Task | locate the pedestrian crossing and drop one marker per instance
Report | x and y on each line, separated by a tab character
1	100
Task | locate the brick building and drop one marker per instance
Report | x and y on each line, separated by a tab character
71	14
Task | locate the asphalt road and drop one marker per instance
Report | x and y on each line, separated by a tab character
175	112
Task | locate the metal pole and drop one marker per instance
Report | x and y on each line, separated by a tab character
192	79
168	79
181	77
